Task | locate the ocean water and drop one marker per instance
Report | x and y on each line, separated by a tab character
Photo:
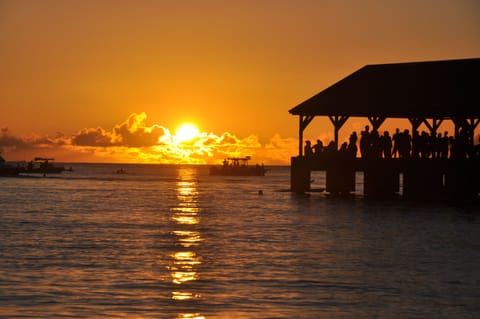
174	242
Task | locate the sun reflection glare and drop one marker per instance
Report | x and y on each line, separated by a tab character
186	220
183	266
180	277
186	215
188	238
182	295
190	316
186	132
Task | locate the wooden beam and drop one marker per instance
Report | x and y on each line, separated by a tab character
304	120
337	121
474	123
376	121
416	122
471	124
434	126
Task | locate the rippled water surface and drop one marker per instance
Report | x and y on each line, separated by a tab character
174	242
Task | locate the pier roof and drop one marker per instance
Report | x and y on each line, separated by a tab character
433	89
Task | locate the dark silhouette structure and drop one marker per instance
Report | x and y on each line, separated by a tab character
422	92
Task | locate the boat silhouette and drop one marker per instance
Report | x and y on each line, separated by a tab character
237	166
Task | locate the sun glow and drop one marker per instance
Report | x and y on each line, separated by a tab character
186	132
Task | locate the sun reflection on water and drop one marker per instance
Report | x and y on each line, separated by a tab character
185	215
190	316
184	262
188	238
181	295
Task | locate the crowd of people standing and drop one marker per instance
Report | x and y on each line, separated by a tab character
372	144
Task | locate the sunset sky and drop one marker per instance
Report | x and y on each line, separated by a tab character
113	80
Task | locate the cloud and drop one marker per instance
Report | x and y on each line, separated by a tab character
136	141
8	141
279	150
131	133
93	137
134	132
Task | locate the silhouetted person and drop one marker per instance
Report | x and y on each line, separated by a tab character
477	149
365	142
451	143
437	146
330	149
405	145
395	138
444	143
422	145
431	144
352	144
374	149
307	150
386	145
461	144
318	148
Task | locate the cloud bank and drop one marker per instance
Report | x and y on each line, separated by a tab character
135	141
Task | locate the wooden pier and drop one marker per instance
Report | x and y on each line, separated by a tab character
425	179
426	93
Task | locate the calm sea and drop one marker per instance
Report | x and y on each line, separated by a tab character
174	242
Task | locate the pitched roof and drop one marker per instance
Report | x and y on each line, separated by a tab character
440	89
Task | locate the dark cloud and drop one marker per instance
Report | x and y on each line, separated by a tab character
93	137
9	141
139	136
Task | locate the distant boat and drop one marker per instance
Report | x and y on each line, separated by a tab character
7	169
238	166
120	171
42	165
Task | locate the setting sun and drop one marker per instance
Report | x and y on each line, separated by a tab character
186	132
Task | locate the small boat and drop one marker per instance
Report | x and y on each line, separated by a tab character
120	171
42	166
238	166
7	169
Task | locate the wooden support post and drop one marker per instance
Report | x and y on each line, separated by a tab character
416	122
300	136
340	175
472	124
304	120
460	123
423	180
380	179
434	126
469	124
475	122
337	121
462	179
300	175
376	121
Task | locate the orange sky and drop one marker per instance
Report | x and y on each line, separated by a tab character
72	70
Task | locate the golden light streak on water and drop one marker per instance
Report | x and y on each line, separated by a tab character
184	263
186	215
190	316
182	295
188	238
183	268
180	277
